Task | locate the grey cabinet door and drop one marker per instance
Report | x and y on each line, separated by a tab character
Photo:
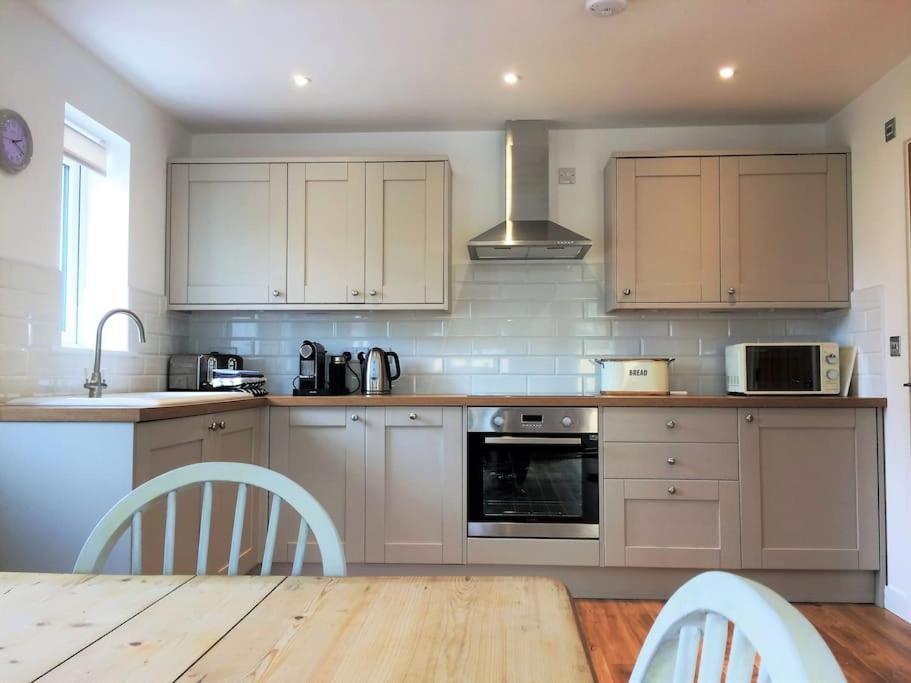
671	523
784	228
414	485
667	234
809	488
322	449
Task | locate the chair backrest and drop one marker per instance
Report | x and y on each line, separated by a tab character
128	512
789	648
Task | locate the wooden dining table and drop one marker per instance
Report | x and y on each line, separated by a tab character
71	627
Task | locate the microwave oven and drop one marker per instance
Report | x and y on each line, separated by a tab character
783	368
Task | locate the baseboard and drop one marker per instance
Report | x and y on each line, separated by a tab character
897	602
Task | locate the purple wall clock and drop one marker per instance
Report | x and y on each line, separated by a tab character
15	142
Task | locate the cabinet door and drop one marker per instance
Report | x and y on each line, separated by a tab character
241	440
809	489
667	233
322	449
671	523
414	485
784	228
406	232
228	233
159	447
326	233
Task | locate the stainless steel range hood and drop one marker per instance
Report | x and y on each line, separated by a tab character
527	233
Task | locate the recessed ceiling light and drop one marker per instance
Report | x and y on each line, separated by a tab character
726	72
300	80
510	78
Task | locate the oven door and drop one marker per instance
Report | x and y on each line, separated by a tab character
540	486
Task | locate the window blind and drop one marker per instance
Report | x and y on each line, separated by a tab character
84	149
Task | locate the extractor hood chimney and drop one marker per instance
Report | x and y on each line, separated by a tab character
527	233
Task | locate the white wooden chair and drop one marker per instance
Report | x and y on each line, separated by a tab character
790	649
128	512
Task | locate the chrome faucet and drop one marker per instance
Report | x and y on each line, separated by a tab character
96	383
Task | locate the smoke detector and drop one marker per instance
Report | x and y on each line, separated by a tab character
605	8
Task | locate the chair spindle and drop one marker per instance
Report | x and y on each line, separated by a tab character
237	532
302	533
136	550
687	651
714	643
740	662
169	525
205	527
271	531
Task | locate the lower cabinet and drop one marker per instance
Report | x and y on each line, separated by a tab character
390	479
671	523
165	445
809	488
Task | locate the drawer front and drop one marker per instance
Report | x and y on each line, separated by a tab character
670	489
318	417
417	416
669	425
671	461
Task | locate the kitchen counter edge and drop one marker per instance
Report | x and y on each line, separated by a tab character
114	414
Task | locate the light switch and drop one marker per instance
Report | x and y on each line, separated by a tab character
567	176
895	346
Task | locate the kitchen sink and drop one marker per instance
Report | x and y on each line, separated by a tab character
141	399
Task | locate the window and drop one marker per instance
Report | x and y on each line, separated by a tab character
94	244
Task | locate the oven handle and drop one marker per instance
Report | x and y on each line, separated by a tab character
534	440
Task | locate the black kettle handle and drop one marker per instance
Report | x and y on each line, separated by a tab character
398	368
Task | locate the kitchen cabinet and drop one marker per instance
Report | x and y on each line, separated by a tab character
723	230
228	233
667	230
784	228
414	485
809	488
320	234
326	233
164	445
322	449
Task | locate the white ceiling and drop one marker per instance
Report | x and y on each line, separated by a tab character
226	65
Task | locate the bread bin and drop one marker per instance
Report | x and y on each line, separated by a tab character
625	375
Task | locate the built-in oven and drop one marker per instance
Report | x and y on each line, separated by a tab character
533	472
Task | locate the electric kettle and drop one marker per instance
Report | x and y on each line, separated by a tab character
376	374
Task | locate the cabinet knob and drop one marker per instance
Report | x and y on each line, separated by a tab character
412	416
731	291
672	490
355	292
355	417
372	292
276	292
221	424
671	461
748	417
627	292
213	427
670	424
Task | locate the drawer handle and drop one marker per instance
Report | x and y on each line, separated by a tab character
672	490
372	292
276	292
732	291
671	461
354	292
221	424
213	427
412	416
627	292
749	417
355	418
670	424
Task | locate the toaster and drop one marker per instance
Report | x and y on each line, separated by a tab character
213	372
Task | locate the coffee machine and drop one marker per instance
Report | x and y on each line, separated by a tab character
311	379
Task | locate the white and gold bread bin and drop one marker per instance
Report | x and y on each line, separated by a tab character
632	375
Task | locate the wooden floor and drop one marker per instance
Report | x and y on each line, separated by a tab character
870	643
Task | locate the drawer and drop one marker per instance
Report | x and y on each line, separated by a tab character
681	425
416	416
671	461
670	489
317	417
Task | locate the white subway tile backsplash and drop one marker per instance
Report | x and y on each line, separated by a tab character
497	346
641	328
499	384
527	365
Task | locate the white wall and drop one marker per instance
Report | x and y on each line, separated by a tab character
880	259
42	70
477	157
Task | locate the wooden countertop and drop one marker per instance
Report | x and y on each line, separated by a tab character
112	414
272	628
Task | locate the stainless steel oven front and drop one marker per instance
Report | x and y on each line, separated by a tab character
533	472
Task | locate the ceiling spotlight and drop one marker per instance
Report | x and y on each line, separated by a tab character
510	78
726	72
300	80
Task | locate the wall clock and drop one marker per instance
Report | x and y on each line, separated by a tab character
15	142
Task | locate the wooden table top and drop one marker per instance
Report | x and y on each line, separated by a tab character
68	627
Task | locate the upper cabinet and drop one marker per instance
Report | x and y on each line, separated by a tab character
722	231
305	234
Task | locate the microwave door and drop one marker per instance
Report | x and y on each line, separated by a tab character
783	369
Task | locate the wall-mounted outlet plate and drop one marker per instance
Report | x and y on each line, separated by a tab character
567	176
890	129
895	346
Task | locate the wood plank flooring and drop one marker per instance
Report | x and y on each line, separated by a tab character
870	644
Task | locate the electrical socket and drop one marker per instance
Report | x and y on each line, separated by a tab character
567	176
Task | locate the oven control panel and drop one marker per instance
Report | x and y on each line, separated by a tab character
531	420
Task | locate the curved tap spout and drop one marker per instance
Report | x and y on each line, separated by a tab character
96	383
